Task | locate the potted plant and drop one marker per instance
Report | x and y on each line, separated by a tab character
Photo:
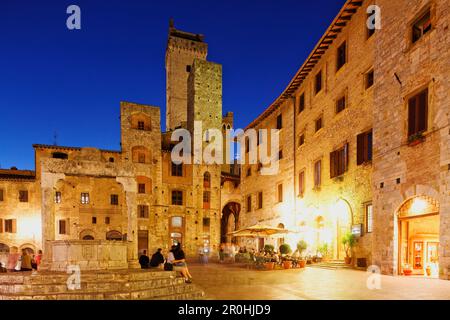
285	249
301	247
265	263
349	241
324	251
407	270
268	248
415	139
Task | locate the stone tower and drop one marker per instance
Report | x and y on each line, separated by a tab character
182	49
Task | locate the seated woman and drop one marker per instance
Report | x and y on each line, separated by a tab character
177	258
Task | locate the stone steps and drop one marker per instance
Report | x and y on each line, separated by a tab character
110	285
331	265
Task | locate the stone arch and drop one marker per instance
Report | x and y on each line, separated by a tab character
140	121
87	234
4	248
114	235
140	154
344	220
231	209
31	248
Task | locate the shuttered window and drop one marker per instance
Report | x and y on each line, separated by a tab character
301	184
143	211
279	122
62	227
301	103
280	193
249	203
317	174
339	161
364	147
340	104
341	56
260	200
177	198
418	113
318	82
23	196
10	226
1	194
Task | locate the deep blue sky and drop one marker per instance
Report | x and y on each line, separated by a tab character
71	82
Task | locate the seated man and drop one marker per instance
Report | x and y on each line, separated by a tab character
144	260
157	260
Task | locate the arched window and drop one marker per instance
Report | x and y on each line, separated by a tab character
207	180
4	248
114	235
88	237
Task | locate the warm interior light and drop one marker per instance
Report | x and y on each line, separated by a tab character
418	206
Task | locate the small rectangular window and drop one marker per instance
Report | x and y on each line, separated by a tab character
62	227
141	157
301	140
10	226
249	203
340	104
369	217
319	124
206	199
94	220
339	161
279	122
247	145
143	211
107	220
341	56
364	147
84	198
1	194
317	173
177	198
301	103
280	154
301	184
280	192
206	224
260	200
177	170
141	188
188	68
141	125
114	200
418	113
369	79
58	197
23	196
421	26
318	82
249	171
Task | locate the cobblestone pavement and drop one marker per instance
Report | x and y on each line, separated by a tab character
227	282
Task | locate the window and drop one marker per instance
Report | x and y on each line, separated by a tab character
280	154
111	159
319	124
371	17
364	147
94	220
177	198
280	193
247	145
249	171
62	227
318	82
260	200
188	68
177	222
369	217
301	183
249	203
177	170
369	79
23	196
279	122
341	56
421	26
85	198
141	157
301	103
58	197
418	113
114	200
10	226
339	161
143	211
1	194
141	188
340	104
258	137
317	174
141	125
107	220
60	155
207	180
301	140
206	224
206	199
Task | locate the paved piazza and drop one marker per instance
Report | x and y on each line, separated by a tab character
225	282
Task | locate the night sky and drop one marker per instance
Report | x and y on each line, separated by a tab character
71	82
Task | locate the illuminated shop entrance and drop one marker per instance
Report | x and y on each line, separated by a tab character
418	234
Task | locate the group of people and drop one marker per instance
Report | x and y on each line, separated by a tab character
16	262
176	261
227	252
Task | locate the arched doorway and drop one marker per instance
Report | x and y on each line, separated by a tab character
418	236
230	221
344	219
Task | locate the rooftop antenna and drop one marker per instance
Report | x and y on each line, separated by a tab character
55	138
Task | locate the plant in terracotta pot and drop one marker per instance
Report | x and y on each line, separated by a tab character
285	249
407	270
349	241
301	247
324	251
268	248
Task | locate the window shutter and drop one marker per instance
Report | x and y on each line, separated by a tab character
1	225
14	226
422	111
412	116
346	157
332	164
67	226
